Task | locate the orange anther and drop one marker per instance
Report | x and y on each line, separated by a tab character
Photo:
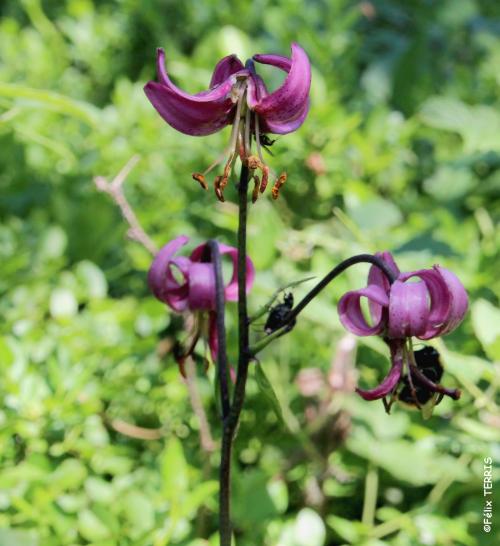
277	185
217	187
255	192
265	178
201	180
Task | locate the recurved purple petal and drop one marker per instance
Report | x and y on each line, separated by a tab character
438	301
201	286
231	289
408	309
274	60
177	293
197	115
189	115
256	90
285	109
459	300
351	315
157	275
393	377
225	68
378	278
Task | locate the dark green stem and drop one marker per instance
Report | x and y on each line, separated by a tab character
231	422
329	277
335	272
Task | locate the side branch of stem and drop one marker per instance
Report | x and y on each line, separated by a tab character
323	283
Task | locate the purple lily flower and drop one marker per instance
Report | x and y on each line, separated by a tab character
424	304
188	284
238	96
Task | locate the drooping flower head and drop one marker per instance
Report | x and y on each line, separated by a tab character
188	284
237	95
424	304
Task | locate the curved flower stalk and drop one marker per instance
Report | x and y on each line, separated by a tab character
424	304
238	95
189	284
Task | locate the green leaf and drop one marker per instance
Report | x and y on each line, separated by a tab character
486	324
52	101
70	474
417	463
479	126
92	279
373	212
139	511
449	183
309	529
267	390
174	470
199	496
63	303
352	531
91	527
12	537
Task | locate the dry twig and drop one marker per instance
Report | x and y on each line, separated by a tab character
115	190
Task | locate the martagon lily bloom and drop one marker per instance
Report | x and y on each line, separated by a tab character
188	285
237	95
424	304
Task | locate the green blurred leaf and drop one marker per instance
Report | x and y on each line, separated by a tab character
91	527
63	303
267	390
486	323
13	537
139	511
174	470
50	100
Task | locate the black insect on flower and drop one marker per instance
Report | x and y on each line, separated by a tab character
267	142
420	394
278	315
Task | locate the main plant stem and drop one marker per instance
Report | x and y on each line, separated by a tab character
231	421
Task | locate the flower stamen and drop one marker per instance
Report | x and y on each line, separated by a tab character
255	192
407	351
200	178
278	184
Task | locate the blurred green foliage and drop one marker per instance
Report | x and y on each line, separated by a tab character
401	151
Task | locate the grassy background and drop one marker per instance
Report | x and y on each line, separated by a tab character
401	151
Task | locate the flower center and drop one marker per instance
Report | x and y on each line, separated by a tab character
245	130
